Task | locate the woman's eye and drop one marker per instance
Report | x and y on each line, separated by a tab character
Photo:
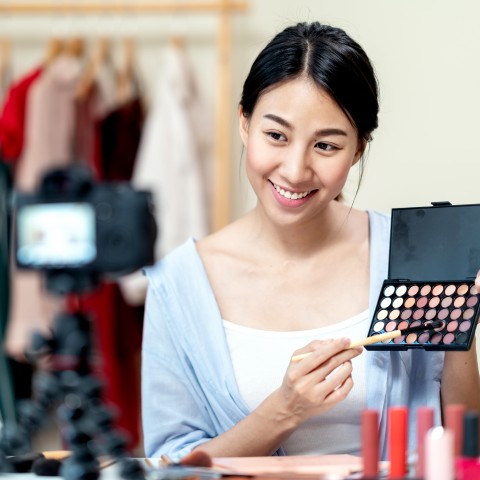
276	135
325	147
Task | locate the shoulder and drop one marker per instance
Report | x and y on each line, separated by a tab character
181	261
379	223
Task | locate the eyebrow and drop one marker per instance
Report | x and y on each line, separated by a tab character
321	132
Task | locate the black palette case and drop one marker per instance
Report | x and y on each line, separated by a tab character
433	261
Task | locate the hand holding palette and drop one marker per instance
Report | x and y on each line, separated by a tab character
434	259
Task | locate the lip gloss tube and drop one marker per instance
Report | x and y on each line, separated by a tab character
468	466
397	441
424	424
439	455
370	444
454	422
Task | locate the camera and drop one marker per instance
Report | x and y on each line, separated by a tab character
76	230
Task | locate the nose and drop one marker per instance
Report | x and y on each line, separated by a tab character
296	166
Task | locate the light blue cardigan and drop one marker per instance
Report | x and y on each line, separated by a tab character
189	392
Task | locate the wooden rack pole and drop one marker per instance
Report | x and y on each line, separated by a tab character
120	7
222	161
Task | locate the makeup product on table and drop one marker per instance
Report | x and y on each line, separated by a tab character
439	454
397	442
433	261
467	467
454	418
370	444
424	424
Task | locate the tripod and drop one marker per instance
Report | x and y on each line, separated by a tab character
87	424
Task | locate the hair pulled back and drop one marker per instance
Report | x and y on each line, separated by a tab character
327	55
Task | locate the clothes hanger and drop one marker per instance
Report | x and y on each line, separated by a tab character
100	57
55	47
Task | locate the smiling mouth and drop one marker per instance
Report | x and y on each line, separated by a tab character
288	194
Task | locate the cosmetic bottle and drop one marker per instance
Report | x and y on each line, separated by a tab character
370	444
467	467
397	442
425	421
439	463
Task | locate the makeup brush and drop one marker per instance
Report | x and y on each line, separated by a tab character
382	336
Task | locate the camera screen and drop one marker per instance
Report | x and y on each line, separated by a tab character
56	235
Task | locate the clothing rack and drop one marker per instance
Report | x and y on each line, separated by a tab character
223	8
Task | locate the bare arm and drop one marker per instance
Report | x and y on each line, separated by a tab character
305	392
461	379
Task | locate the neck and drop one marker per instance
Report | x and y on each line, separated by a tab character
302	239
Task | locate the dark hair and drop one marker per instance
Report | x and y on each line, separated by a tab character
331	58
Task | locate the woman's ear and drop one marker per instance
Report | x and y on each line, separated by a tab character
243	124
362	145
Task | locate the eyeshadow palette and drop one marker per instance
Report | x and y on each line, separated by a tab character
434	258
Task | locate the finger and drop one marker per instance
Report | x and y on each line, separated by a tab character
337	377
340	393
321	372
321	352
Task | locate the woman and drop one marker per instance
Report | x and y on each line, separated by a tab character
225	314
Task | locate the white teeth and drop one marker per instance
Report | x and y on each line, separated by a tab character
290	195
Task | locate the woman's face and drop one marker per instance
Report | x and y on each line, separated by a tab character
300	147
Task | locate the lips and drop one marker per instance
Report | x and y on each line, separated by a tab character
289	194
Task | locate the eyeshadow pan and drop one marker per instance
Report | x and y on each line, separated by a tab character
425	290
452	326
443	314
465	326
411	338
434	301
430	314
450	290
391	326
462	289
409	302
378	327
406	314
446	302
397	303
473	290
386	302
402	325
394	314
458	302
413	290
436	338
401	290
382	314
421	302
455	314
462	337
418	314
388	292
472	301
424	337
449	338
437	290
468	314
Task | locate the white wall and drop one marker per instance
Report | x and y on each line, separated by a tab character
427	58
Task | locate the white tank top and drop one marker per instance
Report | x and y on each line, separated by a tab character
260	359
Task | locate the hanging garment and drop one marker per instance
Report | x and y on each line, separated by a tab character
49	130
12	117
171	159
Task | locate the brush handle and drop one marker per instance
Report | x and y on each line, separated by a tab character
359	343
376	338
